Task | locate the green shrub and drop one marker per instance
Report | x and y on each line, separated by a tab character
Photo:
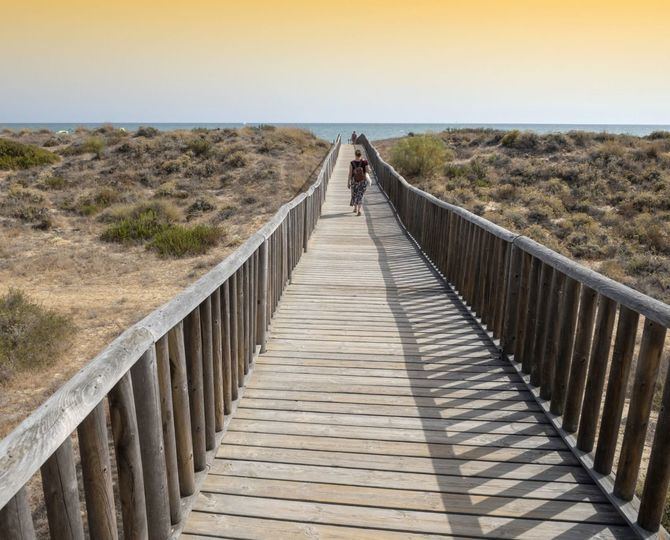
656	135
510	138
135	229
54	182
236	160
95	202
93	145
199	146
164	210
15	155
147	131
200	206
180	241
30	335
521	140
419	156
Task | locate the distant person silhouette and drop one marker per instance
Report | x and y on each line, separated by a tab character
358	181
353	138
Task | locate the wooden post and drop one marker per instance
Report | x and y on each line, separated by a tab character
193	342
128	460
263	286
531	317
16	523
541	324
622	356
653	338
241	342
217	347
595	381
182	410
551	344
522	307
147	406
568	318
580	359
657	480
233	335
208	372
167	416
226	335
61	494
97	474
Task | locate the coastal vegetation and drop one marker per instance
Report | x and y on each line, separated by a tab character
599	198
101	226
31	336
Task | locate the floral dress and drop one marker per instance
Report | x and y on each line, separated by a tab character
358	188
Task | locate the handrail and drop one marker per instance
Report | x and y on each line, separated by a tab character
170	379
555	320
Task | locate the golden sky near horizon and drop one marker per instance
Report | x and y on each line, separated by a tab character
368	60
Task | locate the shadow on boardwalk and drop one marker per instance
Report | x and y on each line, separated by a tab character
441	340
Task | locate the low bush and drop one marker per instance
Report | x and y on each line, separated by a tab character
200	206
236	160
135	229
93	203
54	182
16	155
28	206
656	135
199	147
419	156
30	335
164	210
147	131
520	140
180	241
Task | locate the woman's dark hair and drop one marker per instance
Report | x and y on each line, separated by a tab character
358	153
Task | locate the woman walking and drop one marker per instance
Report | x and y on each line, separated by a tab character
358	181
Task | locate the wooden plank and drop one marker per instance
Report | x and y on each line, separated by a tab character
350	380
405	520
311	385
473	413
401	448
204	526
518	440
407	401
567	491
398	422
432	465
378	373
583	512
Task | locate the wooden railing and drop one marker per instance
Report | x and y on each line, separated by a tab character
556	319
167	386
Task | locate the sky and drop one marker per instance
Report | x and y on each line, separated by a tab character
540	61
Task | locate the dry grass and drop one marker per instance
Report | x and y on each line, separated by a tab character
52	217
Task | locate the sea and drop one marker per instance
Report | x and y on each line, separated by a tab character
372	131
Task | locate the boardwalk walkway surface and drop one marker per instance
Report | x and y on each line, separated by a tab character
382	410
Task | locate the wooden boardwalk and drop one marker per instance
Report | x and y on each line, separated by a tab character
381	409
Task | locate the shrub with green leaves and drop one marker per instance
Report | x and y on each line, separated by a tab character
135	229
30	335
180	241
16	155
419	156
